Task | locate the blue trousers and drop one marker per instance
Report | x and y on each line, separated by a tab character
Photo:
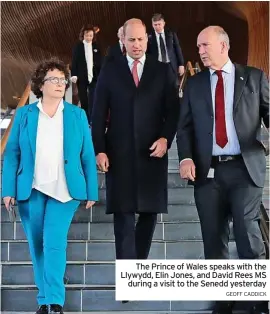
46	222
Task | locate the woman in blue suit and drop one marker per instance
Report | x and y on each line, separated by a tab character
49	167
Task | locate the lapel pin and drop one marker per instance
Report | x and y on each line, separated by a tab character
241	78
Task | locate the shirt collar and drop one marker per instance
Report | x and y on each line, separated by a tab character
86	43
157	34
59	109
227	67
130	60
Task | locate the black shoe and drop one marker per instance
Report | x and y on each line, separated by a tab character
125	302
42	309
259	310
223	307
55	309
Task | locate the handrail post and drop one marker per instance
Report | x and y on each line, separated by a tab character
21	103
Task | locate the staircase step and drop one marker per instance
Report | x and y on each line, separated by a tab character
176	212
87	300
166	231
174	179
84	299
105	251
175	196
131	312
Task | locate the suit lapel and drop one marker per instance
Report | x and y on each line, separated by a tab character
82	53
125	71
148	72
167	39
118	47
155	43
206	88
32	125
239	83
68	128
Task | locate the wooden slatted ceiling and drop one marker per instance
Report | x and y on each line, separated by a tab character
33	31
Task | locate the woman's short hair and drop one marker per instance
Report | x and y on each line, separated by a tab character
87	28
37	79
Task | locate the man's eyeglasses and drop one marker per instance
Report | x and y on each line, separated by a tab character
56	80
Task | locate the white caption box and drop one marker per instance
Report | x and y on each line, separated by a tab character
196	280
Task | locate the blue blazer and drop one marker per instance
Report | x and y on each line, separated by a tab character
79	156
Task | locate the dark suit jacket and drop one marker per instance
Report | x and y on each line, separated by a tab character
251	105
114	52
138	117
79	66
173	48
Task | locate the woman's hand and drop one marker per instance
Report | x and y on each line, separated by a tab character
89	204
8	200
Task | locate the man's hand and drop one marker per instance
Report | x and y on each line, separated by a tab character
181	70
102	162
8	200
89	204
159	148
187	170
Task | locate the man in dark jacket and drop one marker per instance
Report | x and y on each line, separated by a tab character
142	99
220	150
164	45
118	49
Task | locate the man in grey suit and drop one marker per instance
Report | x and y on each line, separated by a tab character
220	150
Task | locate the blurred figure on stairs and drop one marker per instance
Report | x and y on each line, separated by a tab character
86	64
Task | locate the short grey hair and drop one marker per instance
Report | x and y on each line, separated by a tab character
120	31
222	35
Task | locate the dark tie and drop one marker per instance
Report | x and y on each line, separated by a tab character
124	51
221	133
162	49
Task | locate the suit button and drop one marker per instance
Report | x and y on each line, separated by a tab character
66	161
212	117
210	133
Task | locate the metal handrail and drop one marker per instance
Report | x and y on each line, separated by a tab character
21	103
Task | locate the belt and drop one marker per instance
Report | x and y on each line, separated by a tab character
225	158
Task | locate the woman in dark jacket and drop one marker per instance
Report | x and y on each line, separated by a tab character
86	64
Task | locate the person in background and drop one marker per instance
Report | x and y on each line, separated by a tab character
86	65
221	152
118	49
142	98
49	167
163	44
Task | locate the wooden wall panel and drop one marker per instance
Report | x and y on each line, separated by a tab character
33	31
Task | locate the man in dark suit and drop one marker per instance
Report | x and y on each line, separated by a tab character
220	151
118	49
140	93
164	45
86	64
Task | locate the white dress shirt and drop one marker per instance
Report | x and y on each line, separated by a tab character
140	65
49	173
228	74
233	146
88	49
158	43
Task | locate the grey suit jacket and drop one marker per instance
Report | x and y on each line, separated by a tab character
251	106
